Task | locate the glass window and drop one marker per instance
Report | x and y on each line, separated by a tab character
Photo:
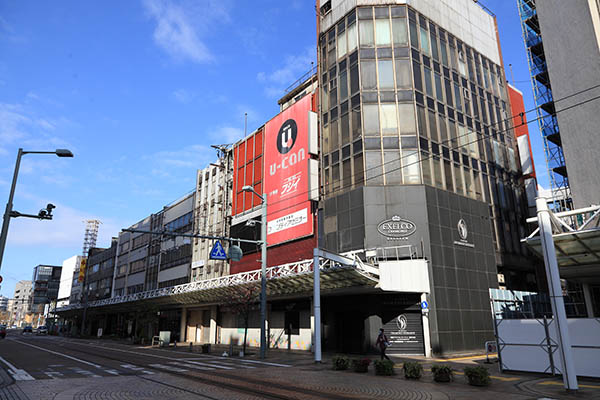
414	34
386	74
371	119
356	123
422	121
433	132
334	142
428	82
393	169
442	129
425	42
359	169
438	87
437	172
366	33
343	86
382	32
458	180
345	129
448	93
478	189
352	41
469	183
403	79
444	52
457	97
347	173
400	31
512	160
373	167
368	75
341	45
407	119
389	120
354	86
410	167
448	175
426	167
326	139
417	76
335	177
434	47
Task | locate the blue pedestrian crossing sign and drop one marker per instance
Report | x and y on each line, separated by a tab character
218	252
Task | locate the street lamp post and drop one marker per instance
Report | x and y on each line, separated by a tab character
263	270
9	211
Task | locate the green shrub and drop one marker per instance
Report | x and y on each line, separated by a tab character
412	370
361	364
478	376
384	367
340	363
441	373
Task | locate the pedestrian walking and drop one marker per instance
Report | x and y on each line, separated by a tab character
383	343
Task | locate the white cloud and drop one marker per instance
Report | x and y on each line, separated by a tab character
179	26
183	96
12	121
65	230
228	134
193	156
294	66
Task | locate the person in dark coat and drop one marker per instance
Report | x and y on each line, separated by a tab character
383	343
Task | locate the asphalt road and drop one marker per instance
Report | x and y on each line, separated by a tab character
28	357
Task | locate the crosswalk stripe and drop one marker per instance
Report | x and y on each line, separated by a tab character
192	366
134	368
111	371
168	367
206	364
264	363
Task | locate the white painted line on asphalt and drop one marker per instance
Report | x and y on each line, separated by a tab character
111	371
168	368
206	364
87	373
53	374
17	374
135	368
60	354
188	365
264	363
133	352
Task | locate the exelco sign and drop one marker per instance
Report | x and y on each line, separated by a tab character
286	183
397	227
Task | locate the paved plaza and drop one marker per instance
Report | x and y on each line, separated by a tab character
62	368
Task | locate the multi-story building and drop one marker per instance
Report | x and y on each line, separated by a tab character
418	151
70	267
3	303
565	89
101	267
46	283
212	213
131	259
21	305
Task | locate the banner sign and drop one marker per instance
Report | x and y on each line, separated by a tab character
82	266
286	180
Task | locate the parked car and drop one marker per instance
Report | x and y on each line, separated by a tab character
42	330
27	329
2	331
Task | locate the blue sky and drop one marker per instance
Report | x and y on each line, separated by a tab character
139	90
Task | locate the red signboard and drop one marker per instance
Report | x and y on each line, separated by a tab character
289	214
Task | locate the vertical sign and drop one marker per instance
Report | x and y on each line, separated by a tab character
82	266
286	183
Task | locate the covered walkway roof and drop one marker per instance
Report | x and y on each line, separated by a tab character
576	237
282	281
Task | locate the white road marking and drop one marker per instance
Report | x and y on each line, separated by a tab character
187	365
264	363
168	367
206	364
134	368
60	354
53	374
111	371
80	371
17	374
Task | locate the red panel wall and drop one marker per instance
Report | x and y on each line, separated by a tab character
286	253
248	171
519	119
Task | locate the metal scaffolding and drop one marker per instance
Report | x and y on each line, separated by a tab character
544	100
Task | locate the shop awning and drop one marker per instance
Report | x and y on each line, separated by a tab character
282	281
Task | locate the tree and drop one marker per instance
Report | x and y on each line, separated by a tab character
241	303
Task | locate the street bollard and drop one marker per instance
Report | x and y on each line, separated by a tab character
191	350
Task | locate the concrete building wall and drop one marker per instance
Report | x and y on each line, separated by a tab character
573	58
464	18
